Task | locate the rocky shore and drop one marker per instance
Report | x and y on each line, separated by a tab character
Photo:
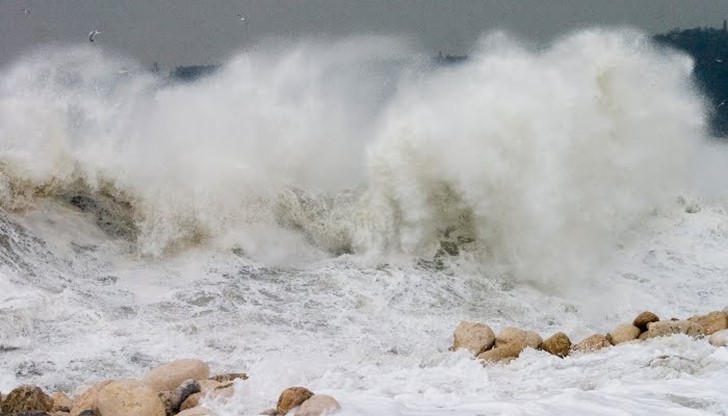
175	388
181	387
480	339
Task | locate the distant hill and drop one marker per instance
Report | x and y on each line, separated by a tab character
191	73
709	49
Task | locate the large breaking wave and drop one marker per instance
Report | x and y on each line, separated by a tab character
538	162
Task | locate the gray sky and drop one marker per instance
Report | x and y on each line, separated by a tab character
176	32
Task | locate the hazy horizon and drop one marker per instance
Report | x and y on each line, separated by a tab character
184	32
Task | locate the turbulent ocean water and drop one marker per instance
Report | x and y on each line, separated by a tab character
324	213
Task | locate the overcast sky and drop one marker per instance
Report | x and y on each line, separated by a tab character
176	32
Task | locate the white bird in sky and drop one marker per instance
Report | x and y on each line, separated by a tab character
722	102
26	11
242	18
91	35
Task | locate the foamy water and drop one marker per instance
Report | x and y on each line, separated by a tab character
285	217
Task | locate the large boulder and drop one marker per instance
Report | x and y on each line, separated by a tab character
318	405
503	353
623	333
292	397
719	339
665	328
643	319
129	398
26	398
712	322
557	344
473	336
197	411
61	402
592	343
511	334
169	376
87	400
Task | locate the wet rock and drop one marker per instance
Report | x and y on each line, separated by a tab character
61	402
197	411
292	397
88	399
210	389
503	353
592	343
643	319
192	401
712	322
623	333
666	328
172	400
719	339
129	398
512	334
557	344
224	378
168	376
473	336
318	405
26	398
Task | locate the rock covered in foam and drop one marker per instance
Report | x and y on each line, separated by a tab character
26	398
473	336
168	376
643	319
129	398
592	343
292	397
623	333
665	328
719	339
712	322
211	389
318	405
557	344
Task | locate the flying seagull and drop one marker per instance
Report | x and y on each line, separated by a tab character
721	103
242	18
26	11
91	35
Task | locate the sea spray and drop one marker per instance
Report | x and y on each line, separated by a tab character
539	161
545	158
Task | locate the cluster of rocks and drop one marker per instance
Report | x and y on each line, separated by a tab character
510	342
176	388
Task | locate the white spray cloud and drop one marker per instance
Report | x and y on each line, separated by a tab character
544	159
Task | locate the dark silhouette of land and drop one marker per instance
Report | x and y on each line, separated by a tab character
709	49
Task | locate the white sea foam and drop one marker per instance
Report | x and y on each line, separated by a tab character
288	210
